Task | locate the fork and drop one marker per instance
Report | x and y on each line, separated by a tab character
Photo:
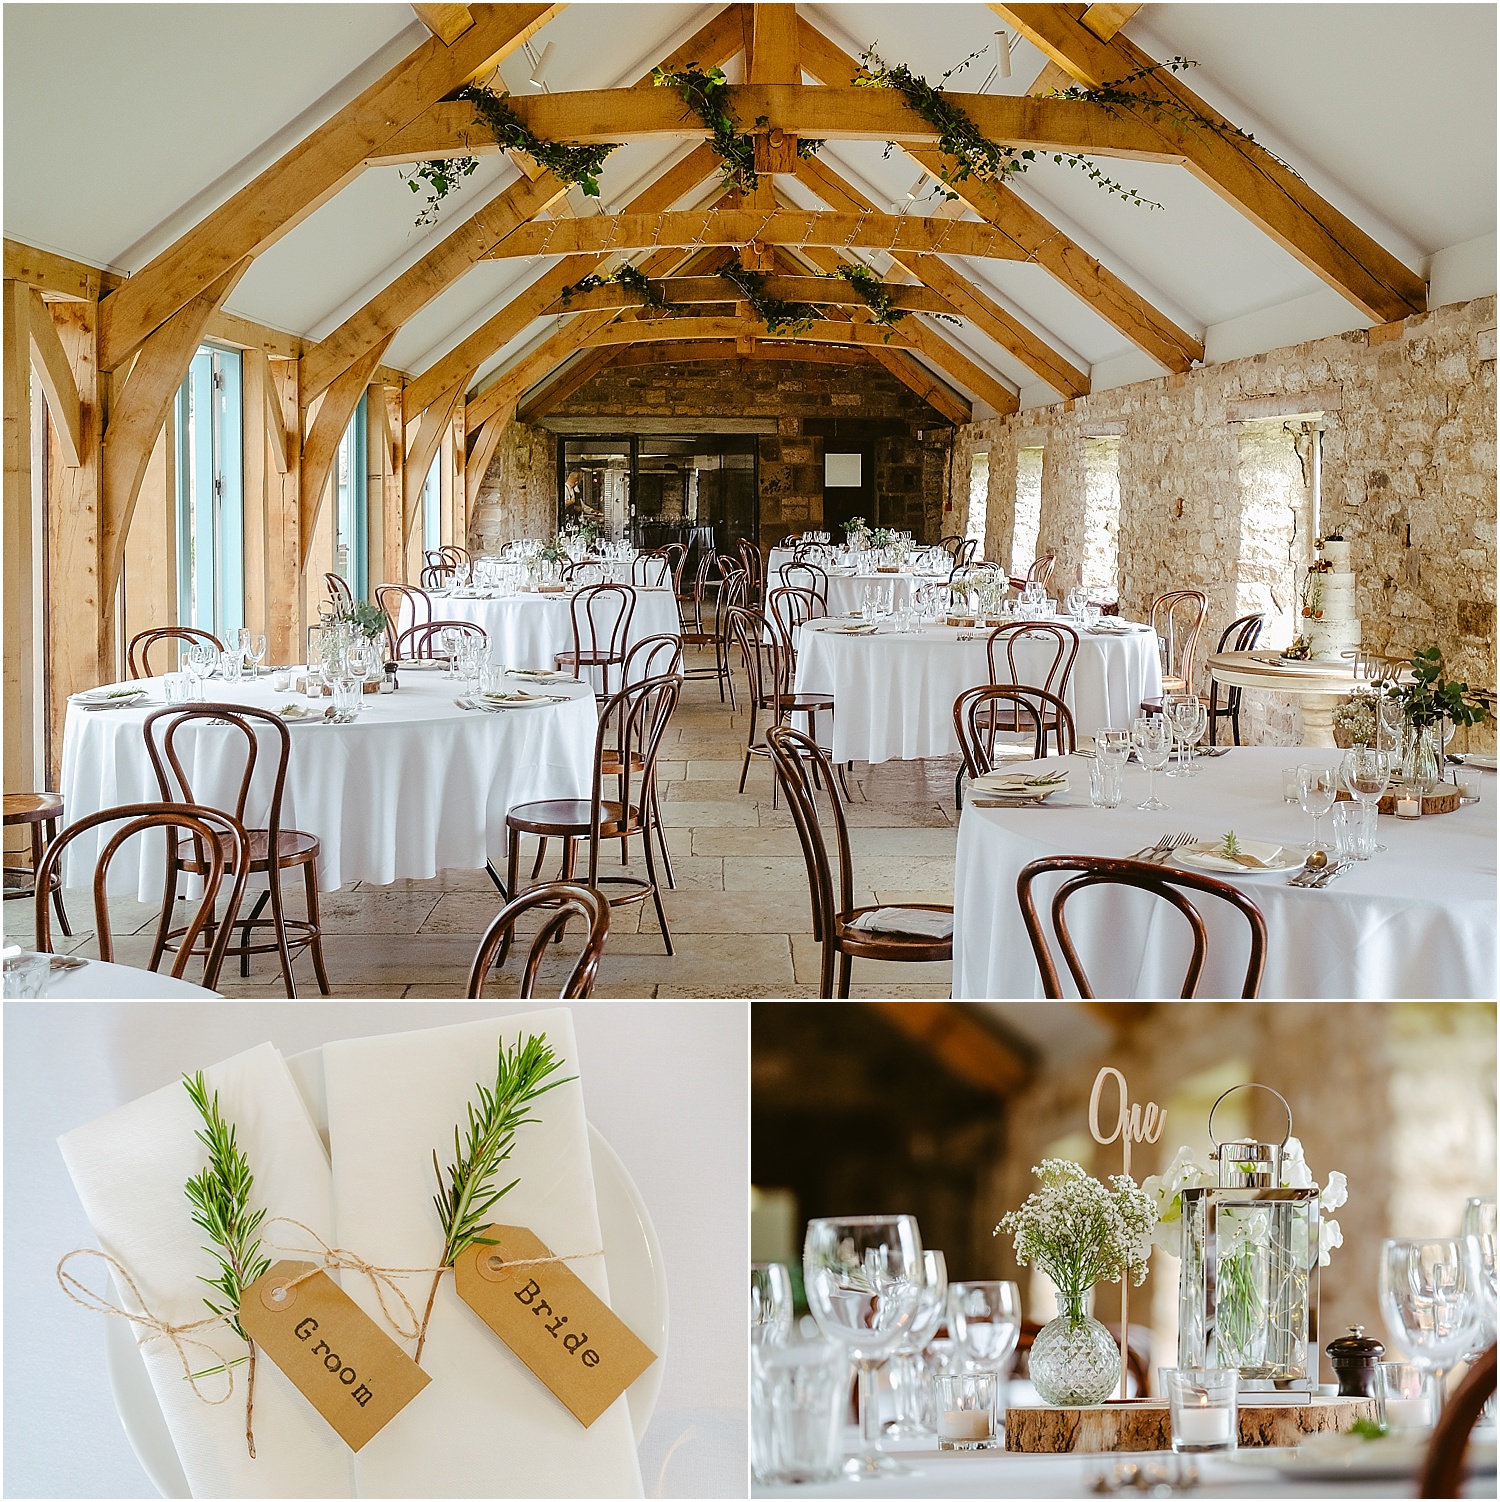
1147	851
1171	843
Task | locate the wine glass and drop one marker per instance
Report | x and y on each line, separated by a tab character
1317	788
257	649
1152	739
1190	720
451	637
1479	1225
1367	774
199	664
863	1275
906	1364
1431	1300
770	1303
985	1322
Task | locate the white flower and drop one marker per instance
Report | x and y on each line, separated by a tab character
1297	1175
1335	1193
1165	1189
1330	1237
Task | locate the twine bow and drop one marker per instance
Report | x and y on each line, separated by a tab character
155	1328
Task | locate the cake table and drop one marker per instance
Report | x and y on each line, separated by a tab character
1321	685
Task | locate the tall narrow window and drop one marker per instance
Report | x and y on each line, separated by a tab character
1101	518
211	495
351	538
1028	510
432	506
979	497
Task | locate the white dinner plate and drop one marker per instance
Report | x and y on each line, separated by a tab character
1345	1459
1484	760
1276	857
637	1293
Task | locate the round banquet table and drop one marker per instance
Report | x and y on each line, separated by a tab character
98	981
529	630
1417	920
893	692
413	786
846	592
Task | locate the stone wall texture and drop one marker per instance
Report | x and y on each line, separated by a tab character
518	494
1407	470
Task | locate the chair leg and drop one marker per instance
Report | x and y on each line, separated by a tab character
168	907
278	924
838	771
745	770
541	853
38	850
661	838
825	976
315	941
513	882
661	912
958	789
245	926
846	972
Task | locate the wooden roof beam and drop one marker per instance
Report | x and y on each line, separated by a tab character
1241	172
831	291
571	378
959	1042
446	22
721	351
917	378
1105	20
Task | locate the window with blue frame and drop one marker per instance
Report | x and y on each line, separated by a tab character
351	538
211	495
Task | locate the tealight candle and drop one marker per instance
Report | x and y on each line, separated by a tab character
1408	808
1202	1426
1408	1413
964	1423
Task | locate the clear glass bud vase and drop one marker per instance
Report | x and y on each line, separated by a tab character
1074	1359
1420	769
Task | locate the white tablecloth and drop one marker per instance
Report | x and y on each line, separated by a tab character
415	785
893	693
846	592
1415	921
100	982
528	631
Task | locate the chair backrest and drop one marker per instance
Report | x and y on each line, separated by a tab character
455	556
677	553
1177	618
1040	572
766	669
1442	1468
435	576
691	611
790	608
584	572
209	828
567	900
601	623
951	546
794	756
424	642
653	657
1045	636
139	653
163	726
1241	635
1166	882
391	598
754	568
338	589
966	574
651	570
981	713
808	576
631	726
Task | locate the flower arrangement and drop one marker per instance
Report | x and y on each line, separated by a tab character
360	619
1432	696
1354	721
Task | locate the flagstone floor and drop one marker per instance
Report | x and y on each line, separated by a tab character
740	916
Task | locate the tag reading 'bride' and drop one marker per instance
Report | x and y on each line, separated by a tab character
334	1354
570	1338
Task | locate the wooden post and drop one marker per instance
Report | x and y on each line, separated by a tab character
283	512
456	454
20	643
398	493
258	469
377	475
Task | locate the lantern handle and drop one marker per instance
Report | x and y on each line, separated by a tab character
1250	1086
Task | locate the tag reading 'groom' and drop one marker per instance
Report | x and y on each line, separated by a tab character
333	1353
570	1338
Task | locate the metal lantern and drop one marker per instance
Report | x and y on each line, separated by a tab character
1248	1298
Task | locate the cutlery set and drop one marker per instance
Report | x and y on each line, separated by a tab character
1158	853
1318	877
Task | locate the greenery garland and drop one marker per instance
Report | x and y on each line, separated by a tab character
706	93
627	276
779	315
576	164
873	291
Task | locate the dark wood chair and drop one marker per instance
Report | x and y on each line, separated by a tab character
1237	636
138	655
271	848
768	683
971	575
39	813
425	642
789	609
732	594
1160	881
960	549
809	576
794	756
338	589
566	901
755	570
392	598
702	624
583	573
1443	1467
456	557
224	845
676	553
1177	618
651	570
436	576
629	738
601	628
981	714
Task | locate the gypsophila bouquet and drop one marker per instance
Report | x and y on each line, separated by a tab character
1081	1232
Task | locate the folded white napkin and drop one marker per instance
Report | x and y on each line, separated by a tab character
913	921
129	1168
486	1427
1020	782
1267	854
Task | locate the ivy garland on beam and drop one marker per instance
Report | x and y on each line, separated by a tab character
705	92
779	315
627	276
577	165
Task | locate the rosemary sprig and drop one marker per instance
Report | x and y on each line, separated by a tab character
220	1197
466	1194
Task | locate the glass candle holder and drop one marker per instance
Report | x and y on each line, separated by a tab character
1205	1408
1405	1397
965	1404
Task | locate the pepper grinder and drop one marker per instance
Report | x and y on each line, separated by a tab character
1355	1357
390	683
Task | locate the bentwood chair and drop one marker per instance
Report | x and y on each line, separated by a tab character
1165	882
564	901
436	575
732	594
224	845
1176	618
1040	572
701	626
138	655
1237	636
1443	1467
584	572
755	571
960	549
631	728
809	576
982	713
39	814
601	628
456	557
676	554
790	609
270	850
392	598
651	570
425	642
338	589
834	915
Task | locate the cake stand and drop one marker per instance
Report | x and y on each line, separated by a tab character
1320	685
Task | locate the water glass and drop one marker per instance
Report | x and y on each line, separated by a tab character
1289	790
1405	1397
231	665
27	975
348	698
1354	831
1205	1408
967	1404
1106	782
798	1392
178	688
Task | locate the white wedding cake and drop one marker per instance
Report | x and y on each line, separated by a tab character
1330	624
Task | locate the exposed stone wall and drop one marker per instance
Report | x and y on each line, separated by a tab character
518	495
1408	470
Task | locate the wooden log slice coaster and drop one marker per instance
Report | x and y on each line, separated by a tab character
1435	802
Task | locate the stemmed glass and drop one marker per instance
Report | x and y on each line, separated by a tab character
1367	774
1152	738
1317	789
906	1363
863	1275
257	649
1190	721
1479	1225
198	665
770	1303
451	640
1431	1299
985	1322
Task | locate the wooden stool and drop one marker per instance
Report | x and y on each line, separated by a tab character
41	811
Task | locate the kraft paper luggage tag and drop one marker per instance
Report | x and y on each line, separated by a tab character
572	1341
333	1353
